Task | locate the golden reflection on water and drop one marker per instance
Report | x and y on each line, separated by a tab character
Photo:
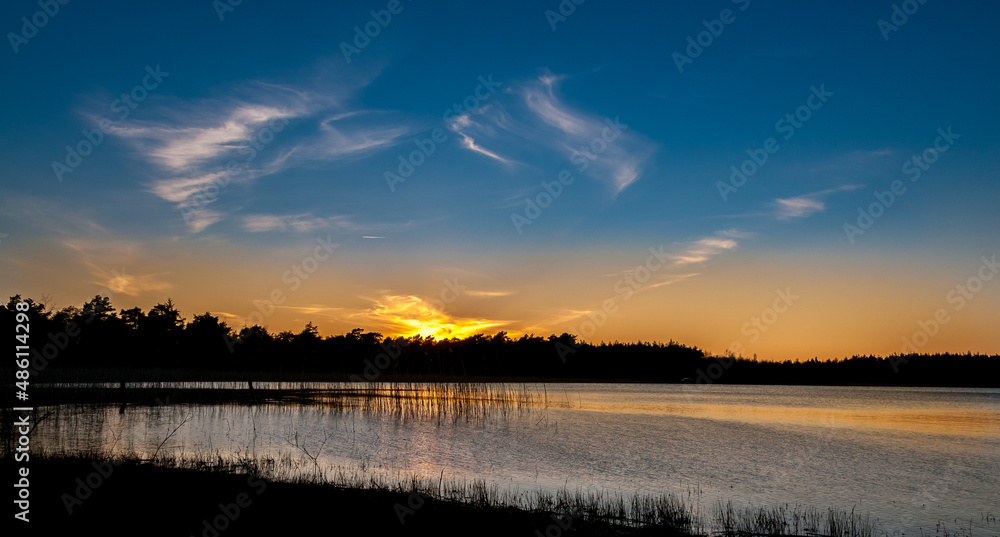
980	421
880	412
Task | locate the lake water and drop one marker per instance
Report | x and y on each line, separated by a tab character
912	457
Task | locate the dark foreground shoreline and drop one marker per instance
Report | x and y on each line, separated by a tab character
132	498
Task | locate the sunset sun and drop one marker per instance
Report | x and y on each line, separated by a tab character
412	316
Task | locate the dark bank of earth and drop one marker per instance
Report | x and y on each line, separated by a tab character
141	499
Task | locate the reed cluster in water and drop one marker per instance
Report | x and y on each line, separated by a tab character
750	521
404	399
465	400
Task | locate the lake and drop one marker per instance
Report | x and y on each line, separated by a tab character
912	457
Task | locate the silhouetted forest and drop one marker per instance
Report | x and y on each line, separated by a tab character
97	336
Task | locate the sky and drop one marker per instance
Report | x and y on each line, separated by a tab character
782	179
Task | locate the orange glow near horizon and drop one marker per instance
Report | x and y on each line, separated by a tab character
411	316
843	307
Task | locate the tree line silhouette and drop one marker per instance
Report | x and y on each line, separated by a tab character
97	336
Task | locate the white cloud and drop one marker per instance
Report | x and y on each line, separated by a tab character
133	285
200	219
798	207
301	223
668	279
487	294
262	129
704	249
469	143
530	120
807	204
307	223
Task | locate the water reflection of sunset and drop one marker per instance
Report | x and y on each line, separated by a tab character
868	415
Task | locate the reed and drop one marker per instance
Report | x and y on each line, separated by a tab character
782	520
440	401
622	513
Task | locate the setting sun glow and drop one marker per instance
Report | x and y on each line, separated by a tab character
412	316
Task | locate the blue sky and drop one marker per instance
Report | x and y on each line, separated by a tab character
324	131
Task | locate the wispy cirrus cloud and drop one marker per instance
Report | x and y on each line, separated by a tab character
200	146
663	267
315	309
798	207
134	285
551	317
531	117
464	127
96	254
806	204
704	249
308	222
93	247
669	279
181	147
486	294
302	223
697	251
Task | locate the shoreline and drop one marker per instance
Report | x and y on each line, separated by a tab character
139	498
135	497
